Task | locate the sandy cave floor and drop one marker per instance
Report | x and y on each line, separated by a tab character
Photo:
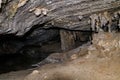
100	62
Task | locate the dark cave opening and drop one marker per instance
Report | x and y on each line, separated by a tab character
19	53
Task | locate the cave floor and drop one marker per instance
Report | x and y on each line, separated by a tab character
101	61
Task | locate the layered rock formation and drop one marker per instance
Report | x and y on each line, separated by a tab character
19	16
37	28
23	18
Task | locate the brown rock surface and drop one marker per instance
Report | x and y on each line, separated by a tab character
101	62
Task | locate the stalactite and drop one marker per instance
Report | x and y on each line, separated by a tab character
104	19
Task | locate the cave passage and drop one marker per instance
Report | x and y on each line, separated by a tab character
19	53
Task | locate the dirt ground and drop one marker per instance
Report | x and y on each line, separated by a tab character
101	62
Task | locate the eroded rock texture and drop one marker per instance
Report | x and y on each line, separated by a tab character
19	16
34	27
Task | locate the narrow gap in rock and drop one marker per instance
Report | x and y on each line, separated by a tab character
20	53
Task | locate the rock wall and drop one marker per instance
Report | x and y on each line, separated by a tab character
19	16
